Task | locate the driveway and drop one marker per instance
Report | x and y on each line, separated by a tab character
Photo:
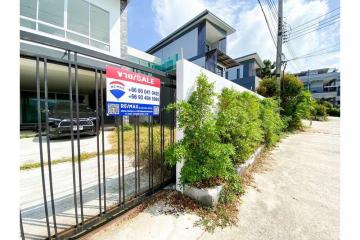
59	148
297	198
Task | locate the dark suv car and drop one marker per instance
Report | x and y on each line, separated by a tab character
60	123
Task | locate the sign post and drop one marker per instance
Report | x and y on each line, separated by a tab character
131	94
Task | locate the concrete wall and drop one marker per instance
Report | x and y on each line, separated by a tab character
188	42
186	74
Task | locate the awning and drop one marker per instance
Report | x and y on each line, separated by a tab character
225	60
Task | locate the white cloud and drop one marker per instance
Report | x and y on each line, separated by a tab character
252	34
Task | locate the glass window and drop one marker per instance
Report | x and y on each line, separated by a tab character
78	38
51	30
100	45
241	71
99	24
28	8
27	23
78	16
251	69
52	11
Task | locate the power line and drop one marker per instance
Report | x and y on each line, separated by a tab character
316	18
267	23
318	28
313	55
314	25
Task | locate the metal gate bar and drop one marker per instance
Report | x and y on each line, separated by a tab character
48	148
72	136
123	201
40	148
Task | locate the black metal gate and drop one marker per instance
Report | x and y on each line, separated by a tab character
87	189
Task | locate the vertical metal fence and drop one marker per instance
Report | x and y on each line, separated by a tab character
114	179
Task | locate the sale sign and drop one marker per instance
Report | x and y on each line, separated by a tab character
131	94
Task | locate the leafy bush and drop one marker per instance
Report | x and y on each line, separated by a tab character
268	87
321	111
239	122
205	157
335	112
272	123
292	101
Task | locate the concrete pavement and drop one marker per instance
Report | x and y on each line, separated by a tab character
59	148
297	198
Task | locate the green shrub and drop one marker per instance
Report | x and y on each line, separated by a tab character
271	121
205	157
335	112
321	111
239	122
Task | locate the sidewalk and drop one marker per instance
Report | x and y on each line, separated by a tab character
297	198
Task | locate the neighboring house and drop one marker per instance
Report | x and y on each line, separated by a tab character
202	41
97	25
247	73
324	84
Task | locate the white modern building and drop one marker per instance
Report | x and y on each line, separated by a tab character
99	26
324	84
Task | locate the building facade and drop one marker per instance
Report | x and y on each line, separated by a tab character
324	84
202	40
97	25
247	73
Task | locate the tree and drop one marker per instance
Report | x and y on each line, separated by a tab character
268	87
268	70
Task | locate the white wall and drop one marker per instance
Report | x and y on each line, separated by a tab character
186	74
188	42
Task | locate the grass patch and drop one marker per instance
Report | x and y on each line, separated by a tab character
129	145
83	156
25	135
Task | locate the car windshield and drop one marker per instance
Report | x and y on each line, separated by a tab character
65	107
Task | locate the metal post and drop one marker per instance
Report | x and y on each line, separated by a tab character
97	138
40	147
78	138
72	136
48	148
103	138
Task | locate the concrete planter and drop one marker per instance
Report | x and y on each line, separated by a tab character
241	168
206	196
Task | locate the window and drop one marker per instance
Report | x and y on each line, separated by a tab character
219	71
99	28
252	70
52	11
85	23
227	75
78	16
28	8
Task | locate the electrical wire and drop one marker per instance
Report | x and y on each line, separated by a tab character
305	33
314	19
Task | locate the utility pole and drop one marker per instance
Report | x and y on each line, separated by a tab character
279	42
308	80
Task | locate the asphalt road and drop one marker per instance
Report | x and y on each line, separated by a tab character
297	198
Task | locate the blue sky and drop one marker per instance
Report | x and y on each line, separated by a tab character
151	20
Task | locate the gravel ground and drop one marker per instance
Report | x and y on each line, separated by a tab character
296	198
